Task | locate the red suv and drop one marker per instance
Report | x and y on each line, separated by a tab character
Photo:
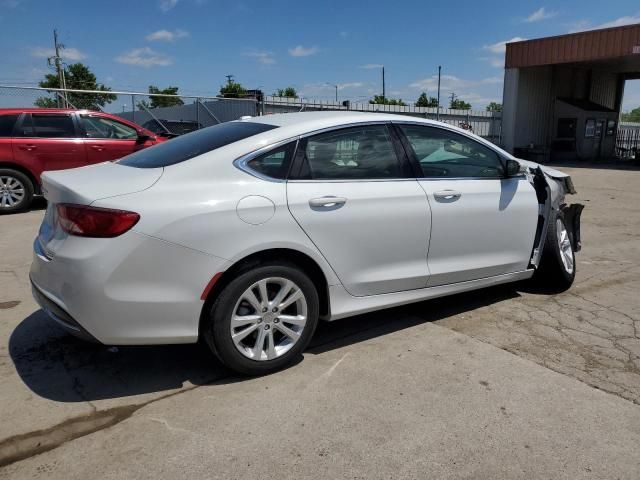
35	140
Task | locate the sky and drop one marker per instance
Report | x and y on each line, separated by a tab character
311	46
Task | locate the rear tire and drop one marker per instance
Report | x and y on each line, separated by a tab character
254	335
16	191
557	269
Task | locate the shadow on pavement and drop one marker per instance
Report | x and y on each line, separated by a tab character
57	366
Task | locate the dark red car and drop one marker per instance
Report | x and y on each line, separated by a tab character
37	139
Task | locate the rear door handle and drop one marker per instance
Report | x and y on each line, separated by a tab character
98	147
28	148
327	202
447	195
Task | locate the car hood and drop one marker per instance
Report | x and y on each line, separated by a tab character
563	178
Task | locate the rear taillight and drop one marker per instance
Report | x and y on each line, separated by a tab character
85	221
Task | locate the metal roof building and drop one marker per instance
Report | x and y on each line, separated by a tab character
562	95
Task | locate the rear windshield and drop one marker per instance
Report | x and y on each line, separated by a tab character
193	144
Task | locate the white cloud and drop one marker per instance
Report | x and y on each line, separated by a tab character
586	25
262	56
300	51
166	5
144	57
167	35
343	86
372	65
72	54
501	47
539	15
619	22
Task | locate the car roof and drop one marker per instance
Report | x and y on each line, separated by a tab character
6	111
300	123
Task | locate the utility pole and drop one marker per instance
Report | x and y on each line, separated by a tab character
453	97
438	106
383	89
57	59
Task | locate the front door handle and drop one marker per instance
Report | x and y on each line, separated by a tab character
98	147
28	148
327	202
450	195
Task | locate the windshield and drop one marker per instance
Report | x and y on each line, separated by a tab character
193	144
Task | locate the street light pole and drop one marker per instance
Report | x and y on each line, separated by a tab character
334	86
383	88
438	106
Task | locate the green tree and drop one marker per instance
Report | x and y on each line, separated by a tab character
232	90
77	76
289	92
632	116
158	102
424	101
381	100
494	107
457	104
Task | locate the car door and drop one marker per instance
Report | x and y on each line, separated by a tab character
48	141
107	139
351	192
483	223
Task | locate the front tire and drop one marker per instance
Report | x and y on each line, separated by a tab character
16	191
263	319
557	269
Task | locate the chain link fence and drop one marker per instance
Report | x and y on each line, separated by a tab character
483	123
177	114
163	114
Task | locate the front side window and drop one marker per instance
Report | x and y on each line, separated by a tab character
100	127
359	153
52	126
443	153
7	122
275	163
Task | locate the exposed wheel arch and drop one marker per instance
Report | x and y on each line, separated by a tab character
25	171
283	255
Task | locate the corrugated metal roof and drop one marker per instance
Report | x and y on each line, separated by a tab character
575	47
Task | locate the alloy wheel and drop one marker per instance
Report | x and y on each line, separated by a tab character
268	319
564	244
12	191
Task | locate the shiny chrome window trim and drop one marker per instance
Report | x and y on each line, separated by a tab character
241	162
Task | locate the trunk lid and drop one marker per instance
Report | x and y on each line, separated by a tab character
85	185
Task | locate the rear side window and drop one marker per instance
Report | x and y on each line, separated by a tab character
359	153
193	144
53	126
275	163
7	122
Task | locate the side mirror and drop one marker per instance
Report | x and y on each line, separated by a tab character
143	137
513	167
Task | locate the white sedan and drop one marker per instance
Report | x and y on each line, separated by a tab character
247	233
